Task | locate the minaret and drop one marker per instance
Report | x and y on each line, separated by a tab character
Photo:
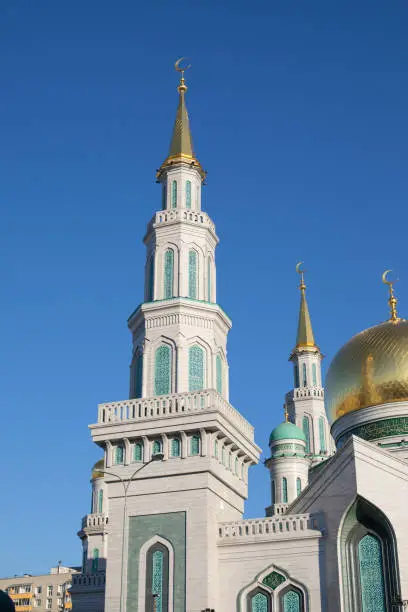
305	403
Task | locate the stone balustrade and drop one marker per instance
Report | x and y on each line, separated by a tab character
94	520
171	405
190	216
303	392
268	527
88	581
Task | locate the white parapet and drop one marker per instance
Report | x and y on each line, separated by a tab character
295	525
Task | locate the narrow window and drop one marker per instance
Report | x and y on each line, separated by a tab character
305	427
100	500
150	279
157	579
192	274
259	603
156	447
197	202
162	370
174	194
95	560
298	486
138	452
219	373
296	376
216	448
168	273
304	376
164	197
236	465
195	368
314	374
229	461
209	265
195	445
188	194
322	436
119	454
175	447
223	455
84	559
273	490
284	490
291	601
371	574
138	372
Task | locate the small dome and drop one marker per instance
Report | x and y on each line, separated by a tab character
371	369
287	431
97	470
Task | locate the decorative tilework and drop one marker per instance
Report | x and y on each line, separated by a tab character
259	603
175	447
157	579
174	194
371	574
284	490
273	580
162	370
192	274
306	431
138	452
378	429
188	194
291	602
322	436
195	368
168	273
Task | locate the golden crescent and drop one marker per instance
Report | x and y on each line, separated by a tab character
384	278
298	270
177	65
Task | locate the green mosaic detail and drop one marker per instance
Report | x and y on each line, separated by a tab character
378	429
162	370
195	368
291	602
259	603
157	579
371	574
168	273
192	274
273	580
295	448
188	194
306	431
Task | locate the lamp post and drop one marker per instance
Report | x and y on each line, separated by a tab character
155	457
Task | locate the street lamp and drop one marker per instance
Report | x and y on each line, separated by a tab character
155	457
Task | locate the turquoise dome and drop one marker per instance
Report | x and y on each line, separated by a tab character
287	431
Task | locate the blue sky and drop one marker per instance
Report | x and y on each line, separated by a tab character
299	114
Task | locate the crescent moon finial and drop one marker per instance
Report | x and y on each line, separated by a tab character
182	88
302	285
392	300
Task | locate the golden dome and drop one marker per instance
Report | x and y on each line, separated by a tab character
371	369
96	470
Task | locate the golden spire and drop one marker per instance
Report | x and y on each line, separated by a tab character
181	145
305	337
392	300
286	413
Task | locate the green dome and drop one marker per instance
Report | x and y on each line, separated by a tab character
287	431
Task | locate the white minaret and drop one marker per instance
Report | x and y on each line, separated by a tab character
305	403
176	452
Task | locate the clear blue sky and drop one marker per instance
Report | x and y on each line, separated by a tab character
299	114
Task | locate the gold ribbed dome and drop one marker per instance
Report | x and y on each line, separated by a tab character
371	369
96	470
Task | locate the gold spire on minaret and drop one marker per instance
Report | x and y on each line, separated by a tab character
392	300
181	145
305	337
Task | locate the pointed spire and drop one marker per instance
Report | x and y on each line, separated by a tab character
181	145
305	337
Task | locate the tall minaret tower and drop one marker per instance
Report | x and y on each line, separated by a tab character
176	453
305	403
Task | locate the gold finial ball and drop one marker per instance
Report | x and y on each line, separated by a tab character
182	88
371	369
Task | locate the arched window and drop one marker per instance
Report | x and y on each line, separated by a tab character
223	455
84	559
371	574
164	197
119	454
168	273
314	374
259	601
174	194
195	368
306	431
296	376
157	578
162	370
175	447
188	194
298	486
138	452
292	601
95	560
100	500
229	460
236	465
216	448
322	436
138	374
284	490
273	492
209	269
156	447
192	274
219	373
304	375
150	279
195	445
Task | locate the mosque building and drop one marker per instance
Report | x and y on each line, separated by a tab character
166	532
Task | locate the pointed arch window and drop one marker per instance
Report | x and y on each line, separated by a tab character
162	370
150	279
259	601
164	197
195	445
298	486
192	274
322	436
119	454
195	368
371	574
100	501
157	578
216	448
273	491
174	194
138	452
188	194
296	376
306	431
157	447
175	447
138	376
223	455
95	560
209	270
304	375
284	490
292	601
314	374
218	368
168	273
236	465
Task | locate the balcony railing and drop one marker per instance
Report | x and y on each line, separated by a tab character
305	392
94	520
190	216
88	581
171	405
268	527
